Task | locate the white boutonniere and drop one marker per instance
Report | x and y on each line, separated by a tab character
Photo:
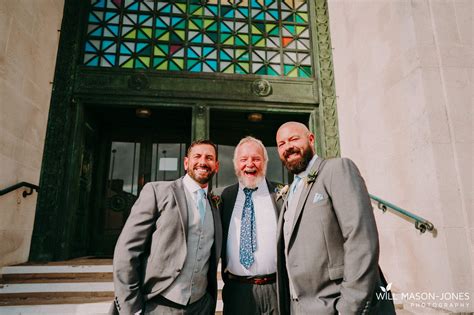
281	191
311	177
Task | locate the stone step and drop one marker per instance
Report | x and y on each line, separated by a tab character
58	273
63	309
55	293
59	293
88	308
53	288
47	298
57	278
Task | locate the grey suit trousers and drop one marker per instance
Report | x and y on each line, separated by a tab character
249	299
161	306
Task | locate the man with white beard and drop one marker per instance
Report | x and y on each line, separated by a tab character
249	219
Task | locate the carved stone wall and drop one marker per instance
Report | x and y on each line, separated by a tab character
327	93
28	45
53	211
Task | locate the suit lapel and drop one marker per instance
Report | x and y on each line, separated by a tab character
180	197
305	193
276	204
229	206
281	219
217	226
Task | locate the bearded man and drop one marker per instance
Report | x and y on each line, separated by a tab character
249	219
328	246
166	257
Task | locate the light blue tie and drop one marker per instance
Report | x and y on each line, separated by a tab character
248	232
201	204
294	186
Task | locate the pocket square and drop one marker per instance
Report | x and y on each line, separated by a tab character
318	197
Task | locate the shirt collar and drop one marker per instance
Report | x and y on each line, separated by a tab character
191	185
308	168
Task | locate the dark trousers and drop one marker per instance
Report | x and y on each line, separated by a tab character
249	299
161	306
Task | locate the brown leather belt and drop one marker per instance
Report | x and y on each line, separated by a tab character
264	279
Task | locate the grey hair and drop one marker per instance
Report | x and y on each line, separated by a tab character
254	140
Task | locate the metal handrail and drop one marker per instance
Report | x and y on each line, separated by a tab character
19	185
421	224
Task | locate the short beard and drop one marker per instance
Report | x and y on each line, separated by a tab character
250	183
202	180
301	165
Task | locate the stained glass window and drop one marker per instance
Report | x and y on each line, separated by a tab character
262	37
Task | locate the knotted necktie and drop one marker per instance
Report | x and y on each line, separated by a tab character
248	232
201	204
293	188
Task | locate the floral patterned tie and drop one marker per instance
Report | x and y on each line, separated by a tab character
248	233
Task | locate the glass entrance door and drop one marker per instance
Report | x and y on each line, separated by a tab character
122	185
135	151
129	171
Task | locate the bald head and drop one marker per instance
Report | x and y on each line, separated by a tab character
295	146
294	125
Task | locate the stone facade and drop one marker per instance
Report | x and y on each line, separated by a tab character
28	44
404	82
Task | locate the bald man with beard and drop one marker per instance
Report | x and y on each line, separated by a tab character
328	244
249	219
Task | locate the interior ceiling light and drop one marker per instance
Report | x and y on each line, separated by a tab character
143	112
255	117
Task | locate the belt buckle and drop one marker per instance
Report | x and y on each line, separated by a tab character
260	280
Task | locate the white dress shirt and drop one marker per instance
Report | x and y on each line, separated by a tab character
193	187
266	227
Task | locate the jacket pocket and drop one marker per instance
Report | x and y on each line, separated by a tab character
336	272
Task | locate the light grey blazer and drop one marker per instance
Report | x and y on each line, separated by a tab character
333	247
151	249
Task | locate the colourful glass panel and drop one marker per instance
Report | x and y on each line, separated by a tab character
248	37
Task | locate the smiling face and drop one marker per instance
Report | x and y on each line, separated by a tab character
201	163
295	146
250	164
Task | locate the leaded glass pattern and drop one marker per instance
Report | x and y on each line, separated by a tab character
261	37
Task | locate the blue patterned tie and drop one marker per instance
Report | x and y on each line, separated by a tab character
248	233
201	204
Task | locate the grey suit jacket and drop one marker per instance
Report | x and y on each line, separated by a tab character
151	249
333	247
228	197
